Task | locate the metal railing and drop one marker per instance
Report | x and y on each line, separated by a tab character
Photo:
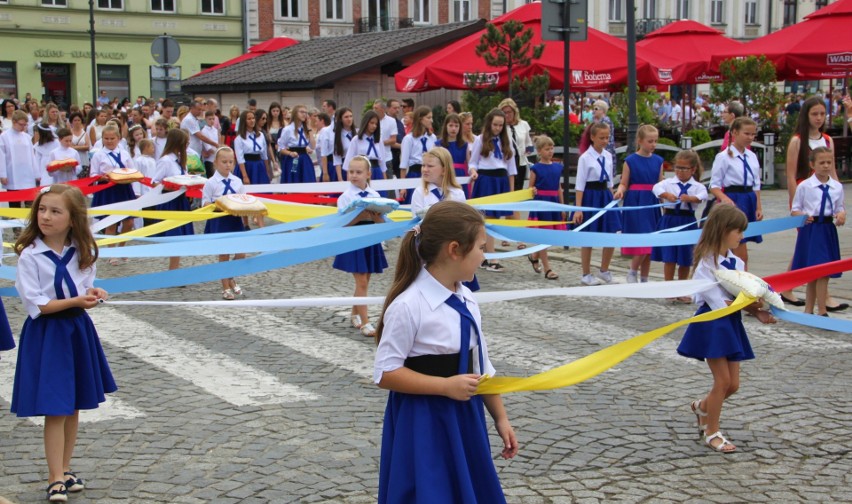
383	23
645	26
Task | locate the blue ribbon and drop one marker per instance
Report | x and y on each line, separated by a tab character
253	139
498	153
116	157
61	274
228	189
604	175
372	147
302	138
806	319
550	206
423	141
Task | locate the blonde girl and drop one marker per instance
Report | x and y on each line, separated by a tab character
414	145
545	182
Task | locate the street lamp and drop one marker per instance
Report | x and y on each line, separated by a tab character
685	142
769	158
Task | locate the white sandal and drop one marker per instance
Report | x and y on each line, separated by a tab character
238	291
356	321
721	447
228	295
368	330
699	414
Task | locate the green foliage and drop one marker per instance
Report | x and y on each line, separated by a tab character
479	103
667	155
508	46
619	110
700	136
543	121
439	113
788	129
751	81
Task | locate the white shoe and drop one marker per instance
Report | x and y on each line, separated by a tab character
605	276
589	280
632	277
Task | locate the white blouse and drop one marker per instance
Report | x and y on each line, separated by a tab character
671	185
808	197
35	274
589	168
731	171
716	296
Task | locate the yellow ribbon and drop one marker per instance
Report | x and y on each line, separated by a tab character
509	197
594	364
15	213
160	226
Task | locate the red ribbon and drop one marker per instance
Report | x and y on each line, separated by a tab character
792	279
31	193
306	198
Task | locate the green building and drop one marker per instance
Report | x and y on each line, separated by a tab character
45	45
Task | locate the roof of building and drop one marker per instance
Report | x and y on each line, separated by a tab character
321	61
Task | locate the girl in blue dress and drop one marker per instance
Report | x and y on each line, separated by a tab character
723	342
371	259
295	147
641	171
414	145
344	132
61	365
452	140
172	163
368	143
545	180
431	353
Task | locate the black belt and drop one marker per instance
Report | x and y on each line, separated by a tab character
252	157
415	168
596	186
824	219
685	213
66	314
298	150
496	172
446	365
739	189
374	163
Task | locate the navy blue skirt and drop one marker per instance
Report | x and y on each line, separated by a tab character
61	366
461	172
181	203
299	174
817	243
7	342
639	221
723	337
366	260
489	185
609	222
114	194
225	224
747	202
436	449
256	171
408	193
376	173
680	254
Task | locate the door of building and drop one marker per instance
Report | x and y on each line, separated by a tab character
56	83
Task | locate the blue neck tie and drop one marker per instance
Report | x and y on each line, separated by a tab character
826	198
423	141
117	158
349	136
683	191
746	171
364	194
729	263
62	272
182	169
466	322
253	139
228	189
438	194
604	175
498	153
372	147
302	138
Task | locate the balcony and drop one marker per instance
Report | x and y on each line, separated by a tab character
647	25
379	24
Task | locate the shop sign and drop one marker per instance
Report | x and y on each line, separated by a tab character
56	53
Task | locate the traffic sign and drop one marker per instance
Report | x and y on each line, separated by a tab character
165	50
553	26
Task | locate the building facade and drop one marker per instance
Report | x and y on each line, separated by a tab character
46	51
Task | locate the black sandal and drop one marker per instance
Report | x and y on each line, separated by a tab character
536	263
73	483
792	302
57	495
551	275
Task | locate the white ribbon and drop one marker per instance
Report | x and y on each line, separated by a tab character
152	198
339	187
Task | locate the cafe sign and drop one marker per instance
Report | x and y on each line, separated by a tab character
57	53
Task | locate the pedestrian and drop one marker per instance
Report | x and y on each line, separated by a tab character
251	151
640	172
519	134
431	355
452	140
684	189
820	198
61	366
734	179
733	110
224	182
325	148
545	182
229	126
344	132
295	148
45	144
134	135
368	143
65	151
112	157
414	145
593	188
146	162
208	151
365	261
170	164
722	343
438	182
492	168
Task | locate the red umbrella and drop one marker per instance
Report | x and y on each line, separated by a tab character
264	47
820	47
598	63
692	45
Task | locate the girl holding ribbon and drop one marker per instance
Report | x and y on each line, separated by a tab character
61	365
545	182
172	163
415	145
722	343
112	157
735	178
640	172
431	354
295	146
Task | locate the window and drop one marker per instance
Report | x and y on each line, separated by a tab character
790	12
650	9
682	9
8	79
751	12
819	4
421	11
111	4
717	12
334	10
462	10
616	10
55	3
162	5
290	8
115	79
212	6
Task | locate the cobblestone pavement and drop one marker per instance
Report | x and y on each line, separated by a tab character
262	405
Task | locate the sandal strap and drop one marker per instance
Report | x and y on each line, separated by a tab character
54	484
720	448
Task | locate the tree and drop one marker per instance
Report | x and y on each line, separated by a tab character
752	81
508	46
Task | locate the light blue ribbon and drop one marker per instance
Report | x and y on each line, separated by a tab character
549	206
806	319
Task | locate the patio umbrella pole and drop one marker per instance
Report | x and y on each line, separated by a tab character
566	85
632	119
